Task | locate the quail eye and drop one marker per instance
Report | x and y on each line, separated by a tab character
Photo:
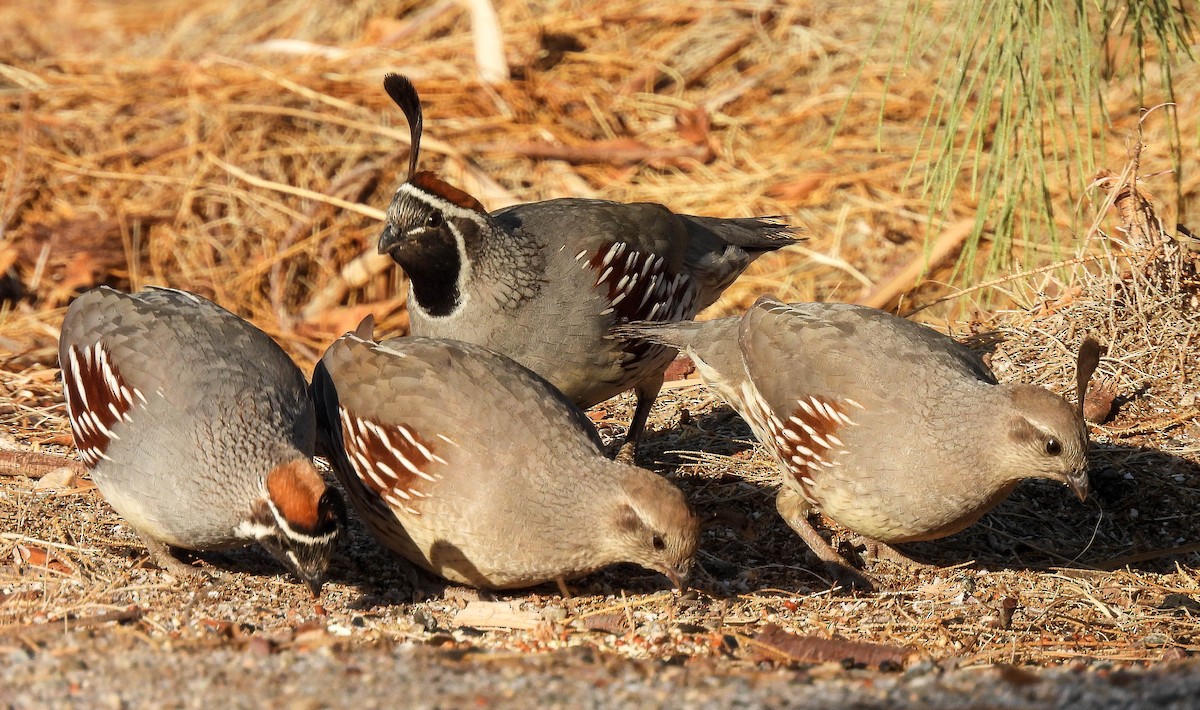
434	220
1053	446
658	543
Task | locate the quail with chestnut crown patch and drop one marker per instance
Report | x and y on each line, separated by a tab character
543	282
198	429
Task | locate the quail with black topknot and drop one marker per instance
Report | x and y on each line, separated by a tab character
543	282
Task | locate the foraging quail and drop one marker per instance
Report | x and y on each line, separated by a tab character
893	430
198	428
542	282
478	470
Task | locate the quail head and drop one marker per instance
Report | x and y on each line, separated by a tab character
543	282
478	470
891	429
197	427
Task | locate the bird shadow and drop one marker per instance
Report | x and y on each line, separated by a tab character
1142	512
382	577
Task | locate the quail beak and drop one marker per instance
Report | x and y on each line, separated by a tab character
679	579
387	239
1078	482
314	585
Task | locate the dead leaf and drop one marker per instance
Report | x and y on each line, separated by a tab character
680	368
774	643
1098	402
614	623
79	275
799	189
693	125
40	557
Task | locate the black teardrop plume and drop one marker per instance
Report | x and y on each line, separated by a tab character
1089	359
405	95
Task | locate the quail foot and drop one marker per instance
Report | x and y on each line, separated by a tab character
197	427
891	429
542	282
476	469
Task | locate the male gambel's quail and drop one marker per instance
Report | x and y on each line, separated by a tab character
198	428
892	429
542	282
478	470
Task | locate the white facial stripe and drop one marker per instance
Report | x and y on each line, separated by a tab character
291	534
445	206
250	530
464	263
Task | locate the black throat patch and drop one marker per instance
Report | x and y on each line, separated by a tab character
432	263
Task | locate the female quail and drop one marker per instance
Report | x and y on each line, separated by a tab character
198	428
893	430
543	282
478	470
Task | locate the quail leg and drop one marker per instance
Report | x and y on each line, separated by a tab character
794	510
647	392
874	549
563	588
161	555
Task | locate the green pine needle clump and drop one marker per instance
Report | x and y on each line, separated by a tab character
1020	100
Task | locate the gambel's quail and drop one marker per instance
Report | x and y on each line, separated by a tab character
891	429
478	470
542	282
198	428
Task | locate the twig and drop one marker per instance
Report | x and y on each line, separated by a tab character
489	42
905	279
776	643
617	151
297	191
34	464
123	616
1004	280
1156	426
1119	562
354	274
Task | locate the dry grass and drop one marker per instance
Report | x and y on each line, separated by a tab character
166	143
